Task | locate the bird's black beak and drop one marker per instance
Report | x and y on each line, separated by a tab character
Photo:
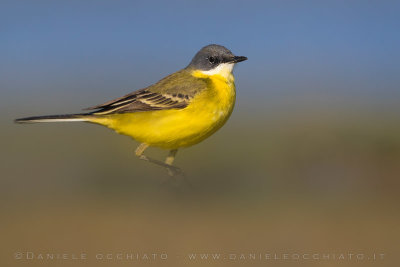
237	59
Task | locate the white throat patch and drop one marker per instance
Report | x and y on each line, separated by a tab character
224	69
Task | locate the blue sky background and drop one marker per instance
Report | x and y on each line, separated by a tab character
65	55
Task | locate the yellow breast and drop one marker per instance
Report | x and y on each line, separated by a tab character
175	128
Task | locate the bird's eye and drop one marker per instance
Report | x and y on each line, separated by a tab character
212	60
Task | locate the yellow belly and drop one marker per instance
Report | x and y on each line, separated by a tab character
175	128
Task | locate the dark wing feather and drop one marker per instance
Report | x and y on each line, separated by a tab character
142	100
174	91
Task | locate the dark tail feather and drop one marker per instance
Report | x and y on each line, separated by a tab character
54	118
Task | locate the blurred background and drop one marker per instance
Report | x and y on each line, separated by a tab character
308	163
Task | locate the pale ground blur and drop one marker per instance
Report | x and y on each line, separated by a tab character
306	182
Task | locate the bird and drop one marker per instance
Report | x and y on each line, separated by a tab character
180	110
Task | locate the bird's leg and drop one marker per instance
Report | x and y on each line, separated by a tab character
172	170
176	170
170	159
140	149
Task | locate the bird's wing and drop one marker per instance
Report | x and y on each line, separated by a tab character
173	92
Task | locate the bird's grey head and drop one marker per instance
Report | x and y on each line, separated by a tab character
212	56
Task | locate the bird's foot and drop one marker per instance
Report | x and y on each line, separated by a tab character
173	171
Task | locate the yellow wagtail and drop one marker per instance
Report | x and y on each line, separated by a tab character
180	110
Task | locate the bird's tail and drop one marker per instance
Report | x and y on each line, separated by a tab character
55	118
